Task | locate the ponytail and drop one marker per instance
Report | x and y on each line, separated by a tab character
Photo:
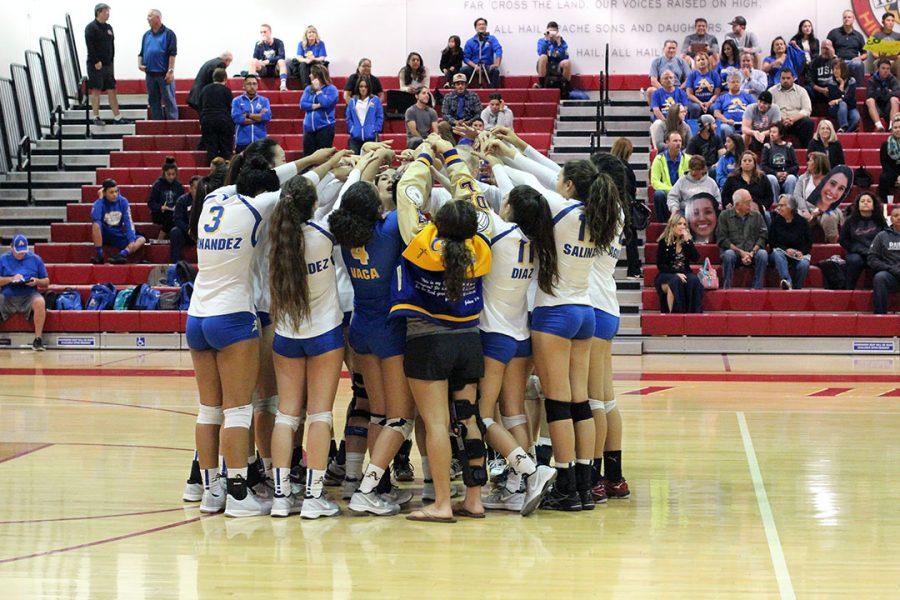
352	224
604	207
256	177
531	212
456	223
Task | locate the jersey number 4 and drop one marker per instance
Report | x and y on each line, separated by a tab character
360	254
216	212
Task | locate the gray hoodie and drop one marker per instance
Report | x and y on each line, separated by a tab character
885	252
685	189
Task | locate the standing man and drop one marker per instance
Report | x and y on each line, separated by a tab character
250	112
21	273
482	51
157	59
553	54
205	77
101	48
848	45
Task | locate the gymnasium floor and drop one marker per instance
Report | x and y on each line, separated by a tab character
751	476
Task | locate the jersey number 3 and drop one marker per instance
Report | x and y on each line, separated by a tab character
216	212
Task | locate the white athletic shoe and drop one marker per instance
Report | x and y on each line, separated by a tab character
397	496
350	487
213	500
372	503
250	506
313	508
536	487
193	492
265	489
428	491
282	506
533	389
500	498
282	87
496	467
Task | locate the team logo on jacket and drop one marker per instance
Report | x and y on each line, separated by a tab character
437	244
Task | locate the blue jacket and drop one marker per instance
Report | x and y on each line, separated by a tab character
156	48
482	53
323	116
371	127
114	217
554	50
724	168
240	106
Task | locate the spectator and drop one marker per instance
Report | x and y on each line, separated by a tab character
482	53
159	47
842	99
250	113
734	148
790	242
163	194
820	74
460	104
848	45
101	78
817	166
318	100
702	213
364	69
666	96
269	57
887	33
694	182
707	144
774	64
750	178
758	117
414	76
794	106
822	206
216	126
779	162
496	113
365	116
729	60
857	234
622	149
678	287
730	106
21	273
553	55
181	218
753	81
665	170
674	122
806	40
669	61
205	77
889	156
884	259
741	234
745	40
881	95
826	141
112	225
700	41
451	59
310	52
421	119
703	84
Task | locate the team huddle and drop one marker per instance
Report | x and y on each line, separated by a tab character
467	312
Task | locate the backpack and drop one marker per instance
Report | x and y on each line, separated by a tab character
143	297
863	178
169	300
50	299
122	298
69	299
158	275
184	272
187	290
103	297
833	272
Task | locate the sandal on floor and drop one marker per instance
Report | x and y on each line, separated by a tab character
424	517
462	511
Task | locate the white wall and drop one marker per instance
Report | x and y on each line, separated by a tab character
386	30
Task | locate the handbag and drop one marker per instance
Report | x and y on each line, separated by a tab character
709	279
640	215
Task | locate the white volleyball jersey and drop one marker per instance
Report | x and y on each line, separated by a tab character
575	253
505	287
602	282
261	295
330	190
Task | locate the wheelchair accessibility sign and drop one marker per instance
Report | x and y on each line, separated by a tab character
140	342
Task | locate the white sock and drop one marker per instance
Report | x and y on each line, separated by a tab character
315	482
371	479
209	477
544	441
267	464
235	473
282	481
561	465
426	468
513	482
222	468
520	462
251	459
583	461
354	464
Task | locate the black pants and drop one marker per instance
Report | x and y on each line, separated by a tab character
178	237
883	285
163	218
803	129
855	265
688	295
632	256
314	140
886	182
355	145
217	138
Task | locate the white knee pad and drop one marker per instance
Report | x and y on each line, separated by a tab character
269	405
283	419
488	423
322	417
597	404
402	426
239	416
514	421
609	405
209	415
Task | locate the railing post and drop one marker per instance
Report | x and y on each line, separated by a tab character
25	148
87	119
601	105
59	137
605	97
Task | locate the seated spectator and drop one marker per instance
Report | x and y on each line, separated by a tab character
460	104
753	81
181	219
310	52
496	113
857	234
553	55
364	69
250	113
703	84
886	32
700	41
678	287
669	61
884	259
745	40
21	273
889	156
806	40
482	55
702	213
794	107
820	74
318	100
694	182
707	144
669	94
205	77
451	59
622	149
881	95
666	169
421	119
675	121
729	60
842	99
741	234
365	116
848	45
112	225
414	76
826	141
216	125
268	57
779	162
748	177
163	194
790	243
730	106
734	147
758	118
821	208
775	63
817	166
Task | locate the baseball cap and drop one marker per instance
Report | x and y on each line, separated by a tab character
20	243
765	96
100	7
739	21
707	120
459	77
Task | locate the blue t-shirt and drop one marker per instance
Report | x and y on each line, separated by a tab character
673	167
663	99
775	73
704	84
30	267
317	49
733	105
372	266
114	218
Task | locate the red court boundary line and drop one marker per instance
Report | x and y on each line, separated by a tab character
830	392
91	517
24	452
895	393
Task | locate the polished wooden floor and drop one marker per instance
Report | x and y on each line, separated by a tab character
752	476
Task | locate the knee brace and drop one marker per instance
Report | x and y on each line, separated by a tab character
357	413
322	417
474	475
358	386
596	404
581	411
462	410
269	405
557	411
283	419
402	426
239	416
209	415
609	405
514	421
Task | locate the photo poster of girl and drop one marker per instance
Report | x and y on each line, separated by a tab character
833	189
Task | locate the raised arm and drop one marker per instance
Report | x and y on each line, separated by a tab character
412	190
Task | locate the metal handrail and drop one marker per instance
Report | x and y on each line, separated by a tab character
601	107
605	96
25	148
594	142
56	119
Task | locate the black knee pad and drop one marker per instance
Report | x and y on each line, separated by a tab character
581	411
475	449
556	410
351	430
